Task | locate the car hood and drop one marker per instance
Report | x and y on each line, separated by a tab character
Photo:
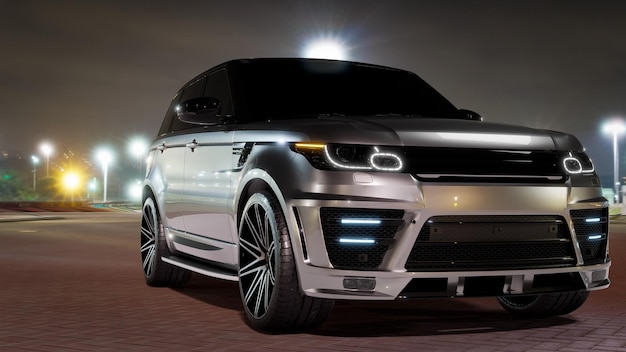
427	132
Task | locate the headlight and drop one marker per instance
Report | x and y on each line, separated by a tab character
577	163
349	157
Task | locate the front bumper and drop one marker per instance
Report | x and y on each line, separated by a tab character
332	283
391	275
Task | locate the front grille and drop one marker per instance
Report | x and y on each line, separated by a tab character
485	165
357	239
592	229
447	243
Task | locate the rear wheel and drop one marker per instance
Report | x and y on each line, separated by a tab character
153	247
268	280
544	305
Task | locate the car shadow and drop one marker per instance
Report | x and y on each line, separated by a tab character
418	317
221	293
427	317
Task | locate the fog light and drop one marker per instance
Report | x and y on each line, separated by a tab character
359	283
598	275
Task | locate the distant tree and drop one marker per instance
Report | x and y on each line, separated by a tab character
15	187
47	188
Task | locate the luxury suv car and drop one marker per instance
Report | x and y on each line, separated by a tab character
313	180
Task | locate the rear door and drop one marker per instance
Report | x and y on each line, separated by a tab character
168	171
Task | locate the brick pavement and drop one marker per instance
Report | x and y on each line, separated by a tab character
76	285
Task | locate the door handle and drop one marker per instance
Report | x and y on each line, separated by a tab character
161	148
193	145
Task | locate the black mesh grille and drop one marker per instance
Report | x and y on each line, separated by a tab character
484	165
359	256
491	242
592	229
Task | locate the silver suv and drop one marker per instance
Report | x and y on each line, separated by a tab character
313	180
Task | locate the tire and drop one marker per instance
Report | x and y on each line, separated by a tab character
268	281
544	305
153	246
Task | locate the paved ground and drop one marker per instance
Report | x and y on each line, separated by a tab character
75	284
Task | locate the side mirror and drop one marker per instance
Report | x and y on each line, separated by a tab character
199	111
470	115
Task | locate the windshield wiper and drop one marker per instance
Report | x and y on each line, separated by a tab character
331	114
393	114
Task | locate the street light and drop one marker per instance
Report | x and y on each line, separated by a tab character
35	161
138	148
615	127
104	156
325	47
92	186
71	182
46	149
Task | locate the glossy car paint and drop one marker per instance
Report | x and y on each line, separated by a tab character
208	201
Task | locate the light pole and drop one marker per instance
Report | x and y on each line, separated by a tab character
91	188
615	127
35	161
46	149
104	156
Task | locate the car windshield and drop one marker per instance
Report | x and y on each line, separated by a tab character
282	89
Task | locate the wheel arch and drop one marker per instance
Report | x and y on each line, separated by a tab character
146	192
257	180
149	190
261	181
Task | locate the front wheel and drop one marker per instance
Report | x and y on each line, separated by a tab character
544	305
268	281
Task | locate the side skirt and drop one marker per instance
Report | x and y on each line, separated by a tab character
202	268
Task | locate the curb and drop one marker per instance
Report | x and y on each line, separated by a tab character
31	218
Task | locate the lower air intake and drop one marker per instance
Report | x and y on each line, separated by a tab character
357	239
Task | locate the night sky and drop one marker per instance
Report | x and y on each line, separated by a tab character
80	74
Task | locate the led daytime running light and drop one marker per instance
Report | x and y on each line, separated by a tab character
567	165
375	165
343	166
360	221
310	146
357	241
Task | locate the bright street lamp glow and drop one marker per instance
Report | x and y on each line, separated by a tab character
138	147
71	181
615	126
104	156
134	191
92	185
46	149
325	48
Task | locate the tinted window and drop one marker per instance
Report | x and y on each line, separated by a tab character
217	87
194	90
170	116
283	89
